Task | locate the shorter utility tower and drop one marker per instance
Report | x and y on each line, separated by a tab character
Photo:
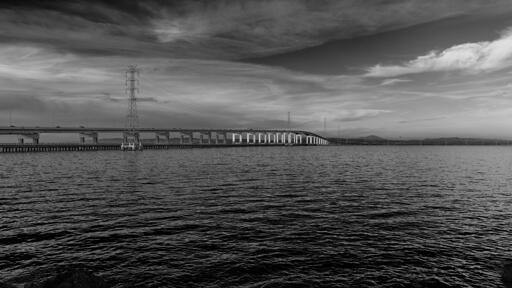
131	136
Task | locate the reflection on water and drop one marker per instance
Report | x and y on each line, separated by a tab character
254	217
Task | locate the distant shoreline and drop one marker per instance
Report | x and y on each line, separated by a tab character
454	141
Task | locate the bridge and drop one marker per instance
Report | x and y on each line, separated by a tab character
162	138
88	138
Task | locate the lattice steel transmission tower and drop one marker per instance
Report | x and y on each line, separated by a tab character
131	137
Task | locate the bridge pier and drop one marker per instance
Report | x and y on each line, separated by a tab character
203	136
298	138
34	136
92	135
166	135
224	138
187	135
236	135
214	139
248	138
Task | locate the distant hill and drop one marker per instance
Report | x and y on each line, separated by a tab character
373	138
376	140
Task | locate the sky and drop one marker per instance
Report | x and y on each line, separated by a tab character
392	68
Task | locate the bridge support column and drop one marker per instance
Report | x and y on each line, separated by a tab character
187	135
165	135
92	135
298	138
241	138
33	136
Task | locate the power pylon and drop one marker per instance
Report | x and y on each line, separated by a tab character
131	137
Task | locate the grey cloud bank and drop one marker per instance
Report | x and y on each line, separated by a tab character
63	61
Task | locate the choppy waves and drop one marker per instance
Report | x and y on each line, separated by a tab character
261	217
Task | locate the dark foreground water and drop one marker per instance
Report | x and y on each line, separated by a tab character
261	217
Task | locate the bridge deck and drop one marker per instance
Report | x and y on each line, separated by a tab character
12	130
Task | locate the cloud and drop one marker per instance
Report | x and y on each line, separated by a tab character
26	62
393	81
258	28
223	29
422	120
179	92
359	114
485	56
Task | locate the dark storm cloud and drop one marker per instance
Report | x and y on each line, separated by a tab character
208	29
95	11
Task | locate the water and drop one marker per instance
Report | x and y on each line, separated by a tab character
261	217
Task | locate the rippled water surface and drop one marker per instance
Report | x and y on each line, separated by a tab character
261	217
